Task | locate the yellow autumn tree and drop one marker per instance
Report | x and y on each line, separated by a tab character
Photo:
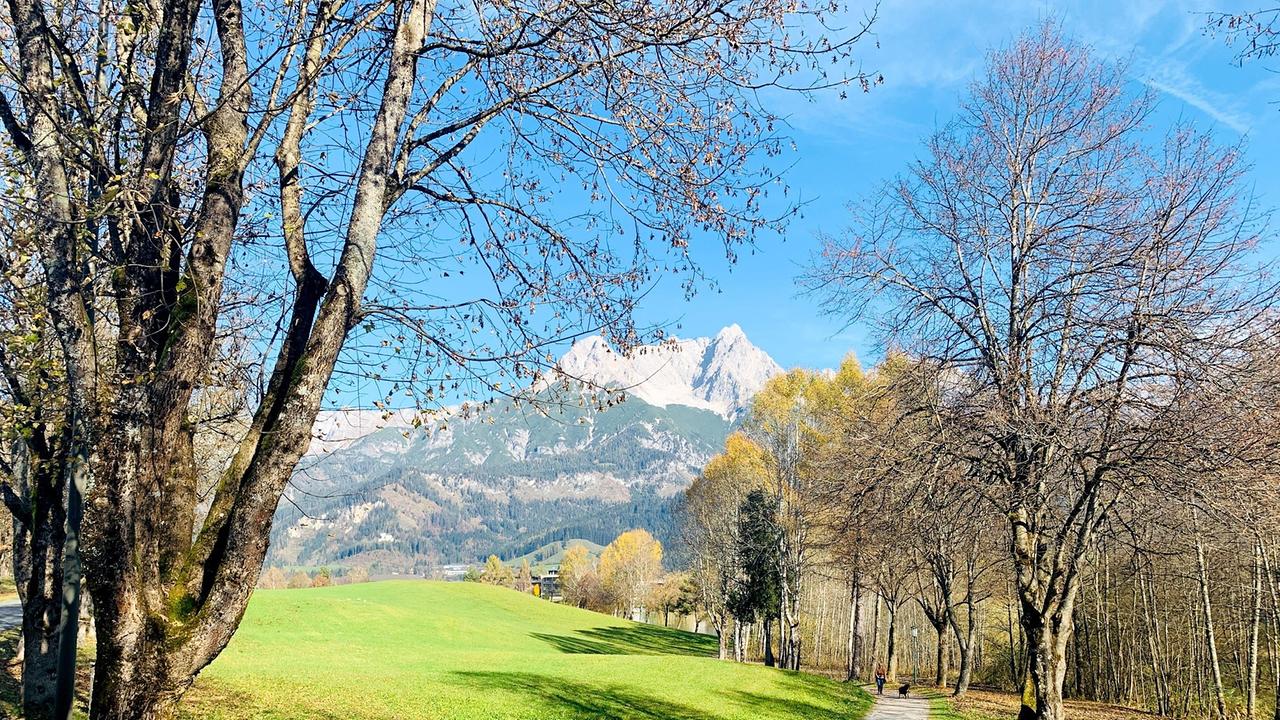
782	422
495	573
628	566
831	440
575	569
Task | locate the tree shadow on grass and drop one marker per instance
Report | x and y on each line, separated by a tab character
577	699
774	706
586	700
211	698
631	640
802	689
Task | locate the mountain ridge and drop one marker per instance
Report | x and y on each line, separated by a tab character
720	373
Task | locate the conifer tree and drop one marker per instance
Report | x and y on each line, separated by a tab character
757	594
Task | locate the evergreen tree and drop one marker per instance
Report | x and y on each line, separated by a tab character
757	592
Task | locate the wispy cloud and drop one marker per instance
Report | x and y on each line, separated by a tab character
927	50
1193	94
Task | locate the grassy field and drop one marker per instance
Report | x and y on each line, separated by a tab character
413	649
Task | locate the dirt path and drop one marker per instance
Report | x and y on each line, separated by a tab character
891	707
10	614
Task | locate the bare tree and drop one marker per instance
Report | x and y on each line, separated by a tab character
1206	608
892	585
1255	34
950	530
371	191
1076	282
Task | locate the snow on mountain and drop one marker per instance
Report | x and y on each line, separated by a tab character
720	374
336	429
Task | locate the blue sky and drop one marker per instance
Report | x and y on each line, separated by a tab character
928	52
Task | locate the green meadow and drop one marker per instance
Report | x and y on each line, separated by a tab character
414	649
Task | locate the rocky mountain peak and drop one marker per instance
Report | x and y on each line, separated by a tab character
720	374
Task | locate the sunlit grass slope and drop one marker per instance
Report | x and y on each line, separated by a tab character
463	650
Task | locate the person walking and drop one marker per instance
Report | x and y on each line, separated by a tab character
880	679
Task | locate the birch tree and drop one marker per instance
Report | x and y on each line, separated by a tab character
781	422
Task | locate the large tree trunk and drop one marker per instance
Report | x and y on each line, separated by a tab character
135	680
40	505
1047	650
39	578
965	675
966	642
166	604
1047	593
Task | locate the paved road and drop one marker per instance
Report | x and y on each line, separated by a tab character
891	707
10	614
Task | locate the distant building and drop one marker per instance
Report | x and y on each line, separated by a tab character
546	585
453	572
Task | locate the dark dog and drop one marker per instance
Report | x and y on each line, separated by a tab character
904	689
